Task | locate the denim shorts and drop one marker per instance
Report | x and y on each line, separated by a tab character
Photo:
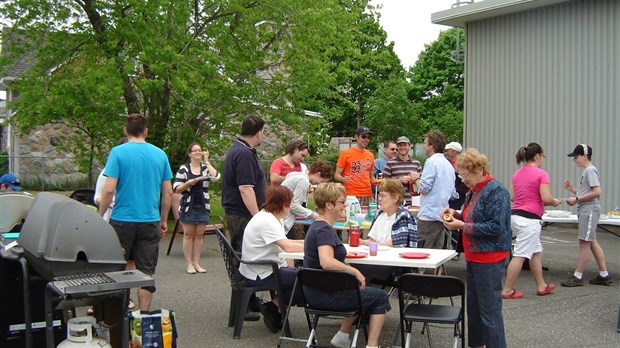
195	217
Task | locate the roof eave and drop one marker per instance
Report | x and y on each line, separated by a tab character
459	16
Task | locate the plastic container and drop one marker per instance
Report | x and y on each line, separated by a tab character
372	211
354	236
352	207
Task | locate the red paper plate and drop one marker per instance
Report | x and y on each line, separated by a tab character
356	255
414	255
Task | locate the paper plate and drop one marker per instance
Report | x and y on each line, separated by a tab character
356	255
414	255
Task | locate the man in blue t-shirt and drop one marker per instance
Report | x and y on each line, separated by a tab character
244	184
139	174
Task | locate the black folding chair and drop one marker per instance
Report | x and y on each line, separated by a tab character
330	282
431	286
240	291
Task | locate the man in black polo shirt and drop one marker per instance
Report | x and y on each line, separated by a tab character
244	184
243	187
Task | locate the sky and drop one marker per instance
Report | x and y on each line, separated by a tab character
408	24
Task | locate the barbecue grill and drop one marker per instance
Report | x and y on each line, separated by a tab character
63	237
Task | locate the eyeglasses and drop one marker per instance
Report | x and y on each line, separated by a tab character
394	149
365	136
196	150
464	175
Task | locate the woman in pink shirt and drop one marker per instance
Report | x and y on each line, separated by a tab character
530	191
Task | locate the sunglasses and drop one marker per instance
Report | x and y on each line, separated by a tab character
365	136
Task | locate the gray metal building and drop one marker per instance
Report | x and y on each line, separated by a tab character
546	71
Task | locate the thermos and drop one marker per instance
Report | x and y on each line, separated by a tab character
354	236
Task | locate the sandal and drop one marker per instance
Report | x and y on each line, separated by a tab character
546	291
514	295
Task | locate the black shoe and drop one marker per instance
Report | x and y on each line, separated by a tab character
251	316
254	304
271	316
601	280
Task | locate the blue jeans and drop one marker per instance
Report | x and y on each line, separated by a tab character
484	305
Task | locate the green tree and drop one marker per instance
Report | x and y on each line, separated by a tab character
437	87
390	113
361	64
194	68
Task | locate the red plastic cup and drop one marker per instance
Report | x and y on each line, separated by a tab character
354	236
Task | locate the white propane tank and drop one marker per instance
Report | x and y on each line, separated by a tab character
80	334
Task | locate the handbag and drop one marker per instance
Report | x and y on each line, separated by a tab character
152	329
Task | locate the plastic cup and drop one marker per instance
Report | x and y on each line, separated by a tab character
360	218
372	248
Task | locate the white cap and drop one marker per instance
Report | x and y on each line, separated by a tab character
454	146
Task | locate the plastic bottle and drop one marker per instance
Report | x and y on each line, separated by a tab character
349	208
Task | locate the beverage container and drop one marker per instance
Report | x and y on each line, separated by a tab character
372	211
372	248
354	236
351	207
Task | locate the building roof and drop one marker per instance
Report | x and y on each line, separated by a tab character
458	16
20	65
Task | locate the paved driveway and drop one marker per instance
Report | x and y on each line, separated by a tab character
571	317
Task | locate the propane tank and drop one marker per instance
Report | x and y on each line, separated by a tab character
80	334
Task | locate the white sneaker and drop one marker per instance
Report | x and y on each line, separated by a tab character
340	342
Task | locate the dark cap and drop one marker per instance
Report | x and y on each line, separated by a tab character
361	130
581	150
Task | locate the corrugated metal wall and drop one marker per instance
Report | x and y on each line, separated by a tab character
551	76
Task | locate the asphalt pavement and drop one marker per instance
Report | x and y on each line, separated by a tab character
584	316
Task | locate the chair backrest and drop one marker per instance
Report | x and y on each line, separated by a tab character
231	258
331	281
431	285
84	195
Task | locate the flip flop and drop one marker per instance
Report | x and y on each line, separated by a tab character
550	287
514	295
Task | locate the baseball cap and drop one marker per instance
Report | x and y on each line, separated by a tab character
580	150
11	180
454	146
403	140
361	130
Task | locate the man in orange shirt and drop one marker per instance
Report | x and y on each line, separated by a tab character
355	166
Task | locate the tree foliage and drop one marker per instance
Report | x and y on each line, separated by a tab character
193	68
437	87
361	64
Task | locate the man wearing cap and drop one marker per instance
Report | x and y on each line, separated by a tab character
9	182
588	212
452	151
402	166
355	165
436	186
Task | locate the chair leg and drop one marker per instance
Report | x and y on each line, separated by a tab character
241	308
174	232
408	341
232	309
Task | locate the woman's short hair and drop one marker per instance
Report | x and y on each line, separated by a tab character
324	169
393	187
328	192
472	160
277	199
295	146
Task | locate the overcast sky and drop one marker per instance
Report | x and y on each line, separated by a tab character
408	24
